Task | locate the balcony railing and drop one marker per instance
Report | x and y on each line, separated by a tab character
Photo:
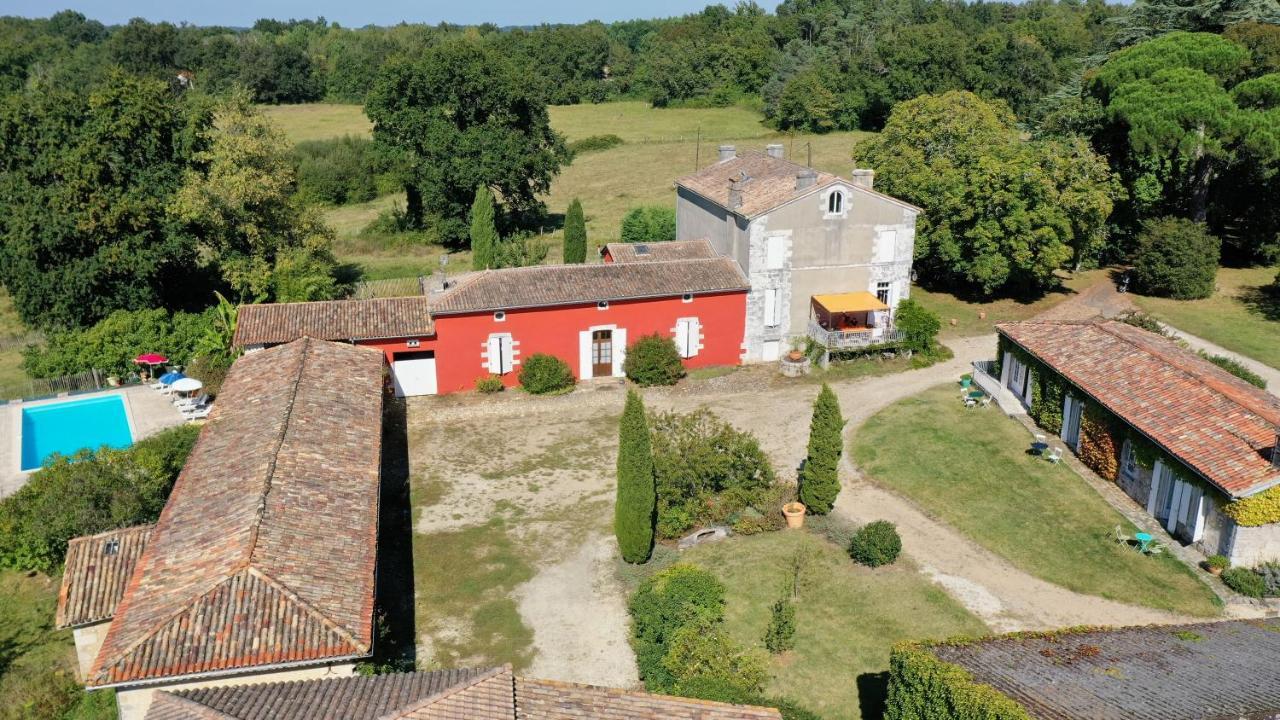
852	339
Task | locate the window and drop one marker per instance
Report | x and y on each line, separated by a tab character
1128	461
602	305
686	298
688	336
835	203
775	252
499	355
413	343
500	316
882	292
772	307
111	547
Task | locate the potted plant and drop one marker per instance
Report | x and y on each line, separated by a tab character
794	513
1215	564
797	350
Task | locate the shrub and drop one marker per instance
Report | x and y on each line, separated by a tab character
113	343
521	250
1142	320
541	374
1234	367
1245	581
678	596
336	170
489	384
706	471
703	652
780	636
922	686
636	502
1270	574
1176	258
653	360
819	477
595	143
88	493
918	325
575	234
876	544
653	223
209	370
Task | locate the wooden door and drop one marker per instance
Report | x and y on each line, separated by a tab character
602	353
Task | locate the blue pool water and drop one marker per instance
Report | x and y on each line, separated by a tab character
72	426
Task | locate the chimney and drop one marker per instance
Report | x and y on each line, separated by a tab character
774	151
806	178
728	152
735	193
864	178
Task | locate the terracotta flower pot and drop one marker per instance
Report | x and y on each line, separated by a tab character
982	315
795	356
1214	570
794	512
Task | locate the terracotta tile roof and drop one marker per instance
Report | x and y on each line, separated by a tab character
545	285
1217	424
495	694
1179	672
264	553
97	570
333	320
768	182
660	251
352	698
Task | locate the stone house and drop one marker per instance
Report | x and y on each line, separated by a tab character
827	258
261	567
1191	443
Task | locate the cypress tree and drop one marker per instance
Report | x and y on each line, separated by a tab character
484	231
635	508
575	234
820	477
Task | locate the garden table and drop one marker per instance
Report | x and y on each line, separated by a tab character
1145	539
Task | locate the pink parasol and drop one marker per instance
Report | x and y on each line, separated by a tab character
151	359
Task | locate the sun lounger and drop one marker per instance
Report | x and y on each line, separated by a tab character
191	403
199	413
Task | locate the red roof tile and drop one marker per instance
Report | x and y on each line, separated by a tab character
97	571
660	251
1215	423
265	551
333	320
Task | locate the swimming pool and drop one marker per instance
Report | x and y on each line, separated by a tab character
68	427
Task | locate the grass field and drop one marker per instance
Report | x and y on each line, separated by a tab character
966	313
970	469
319	121
847	616
1240	316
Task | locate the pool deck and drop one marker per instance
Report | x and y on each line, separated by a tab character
149	412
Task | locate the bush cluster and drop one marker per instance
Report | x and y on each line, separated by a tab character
653	360
1235	367
922	686
1176	258
489	384
652	223
337	170
1245	581
90	492
209	370
708	472
113	343
876	544
918	325
594	143
541	374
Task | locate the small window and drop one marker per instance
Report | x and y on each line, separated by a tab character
835	203
602	305
686	298
882	292
500	316
111	547
413	343
642	249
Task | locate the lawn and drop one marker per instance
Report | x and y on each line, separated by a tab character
970	469
37	662
318	121
967	312
13	337
1240	316
847	616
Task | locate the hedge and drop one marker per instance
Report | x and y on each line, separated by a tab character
922	687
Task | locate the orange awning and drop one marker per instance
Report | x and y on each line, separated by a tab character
850	302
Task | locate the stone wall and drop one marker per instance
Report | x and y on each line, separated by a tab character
1254	545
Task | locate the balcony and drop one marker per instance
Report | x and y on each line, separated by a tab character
853	338
851	321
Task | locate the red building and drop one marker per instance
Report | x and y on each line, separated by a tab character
491	321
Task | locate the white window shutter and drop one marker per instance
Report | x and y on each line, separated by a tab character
494	354
1155	488
508	354
619	351
1197	533
682	337
584	355
771	307
775	252
1005	367
695	337
1179	494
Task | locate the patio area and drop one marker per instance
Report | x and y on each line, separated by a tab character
850	321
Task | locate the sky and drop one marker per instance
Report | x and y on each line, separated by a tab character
242	13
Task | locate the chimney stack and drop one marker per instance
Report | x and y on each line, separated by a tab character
806	178
735	193
774	151
728	152
864	178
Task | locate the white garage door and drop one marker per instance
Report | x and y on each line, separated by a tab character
414	374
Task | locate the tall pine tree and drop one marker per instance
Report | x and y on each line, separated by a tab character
635	509
820	477
575	234
484	232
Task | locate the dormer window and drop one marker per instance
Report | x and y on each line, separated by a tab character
835	203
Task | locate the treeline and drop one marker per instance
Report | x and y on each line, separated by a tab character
813	65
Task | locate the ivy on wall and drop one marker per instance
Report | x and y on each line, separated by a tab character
922	687
1099	449
1255	510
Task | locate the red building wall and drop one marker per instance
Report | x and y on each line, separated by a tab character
461	340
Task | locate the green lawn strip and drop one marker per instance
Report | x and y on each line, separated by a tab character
967	311
970	469
875	365
319	121
463	580
37	662
847	617
1240	317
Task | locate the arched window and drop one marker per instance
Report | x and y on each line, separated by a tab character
835	203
